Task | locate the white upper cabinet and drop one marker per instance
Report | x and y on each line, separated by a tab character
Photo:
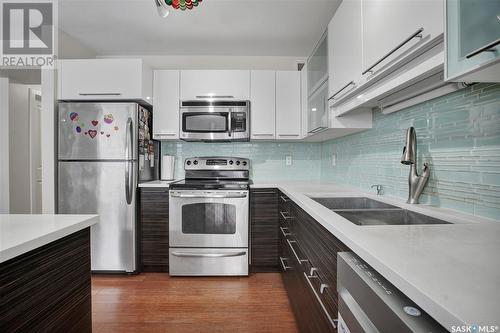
288	105
166	105
223	84
105	79
345	49
263	105
390	28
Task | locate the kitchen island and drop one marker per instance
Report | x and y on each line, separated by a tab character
45	273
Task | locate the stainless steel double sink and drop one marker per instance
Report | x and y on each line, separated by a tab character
365	212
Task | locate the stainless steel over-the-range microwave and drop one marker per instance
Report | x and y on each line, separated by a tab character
215	120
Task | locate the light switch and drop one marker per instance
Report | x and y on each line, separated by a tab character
288	160
334	160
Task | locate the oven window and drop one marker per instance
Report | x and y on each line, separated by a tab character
205	122
208	218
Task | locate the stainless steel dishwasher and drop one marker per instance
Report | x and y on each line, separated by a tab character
369	303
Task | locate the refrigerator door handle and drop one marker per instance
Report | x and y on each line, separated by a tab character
128	173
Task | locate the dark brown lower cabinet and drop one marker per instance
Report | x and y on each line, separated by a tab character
308	258
264	230
153	229
48	289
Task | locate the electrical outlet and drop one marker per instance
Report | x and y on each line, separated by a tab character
288	160
334	160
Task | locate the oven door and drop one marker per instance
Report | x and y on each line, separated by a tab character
217	219
205	124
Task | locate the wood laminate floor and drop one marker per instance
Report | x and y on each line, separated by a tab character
155	302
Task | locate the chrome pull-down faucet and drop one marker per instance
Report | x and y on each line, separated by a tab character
416	183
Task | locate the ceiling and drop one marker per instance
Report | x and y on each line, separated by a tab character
215	27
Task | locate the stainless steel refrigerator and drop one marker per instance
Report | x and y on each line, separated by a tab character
104	150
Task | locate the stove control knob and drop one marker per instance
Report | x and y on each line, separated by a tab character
188	162
244	163
237	162
231	162
195	162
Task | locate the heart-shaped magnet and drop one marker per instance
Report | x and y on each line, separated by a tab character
94	122
92	133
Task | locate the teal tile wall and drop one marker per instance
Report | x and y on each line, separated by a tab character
459	134
267	158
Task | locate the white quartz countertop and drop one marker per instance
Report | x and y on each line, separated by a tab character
20	234
451	271
157	183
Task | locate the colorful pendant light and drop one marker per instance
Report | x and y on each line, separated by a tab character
182	4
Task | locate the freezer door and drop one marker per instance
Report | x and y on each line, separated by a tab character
97	131
107	189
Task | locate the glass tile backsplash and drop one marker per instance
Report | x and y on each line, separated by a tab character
458	134
268	159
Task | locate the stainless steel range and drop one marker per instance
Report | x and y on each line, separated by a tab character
209	218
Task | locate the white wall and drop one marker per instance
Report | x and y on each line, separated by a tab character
218	62
19	148
71	48
4	146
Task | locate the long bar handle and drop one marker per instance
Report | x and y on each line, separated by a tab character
487	48
284	232
284	216
101	94
284	199
214	96
283	265
128	154
332	321
295	253
341	89
208	255
417	33
215	196
317	129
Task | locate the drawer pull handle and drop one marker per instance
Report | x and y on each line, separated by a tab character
416	34
283	265
295	253
259	192
284	232
322	288
284	199
332	321
284	216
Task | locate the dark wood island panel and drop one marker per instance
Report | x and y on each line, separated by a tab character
48	289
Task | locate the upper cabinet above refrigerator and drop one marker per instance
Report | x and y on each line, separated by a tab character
473	40
105	79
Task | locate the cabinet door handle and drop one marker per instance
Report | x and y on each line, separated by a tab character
263	192
284	216
270	135
214	96
487	48
208	255
284	232
100	94
318	129
289	135
341	89
284	199
416	34
295	253
332	321
283	265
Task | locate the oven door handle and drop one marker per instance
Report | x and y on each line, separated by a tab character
209	255
215	196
